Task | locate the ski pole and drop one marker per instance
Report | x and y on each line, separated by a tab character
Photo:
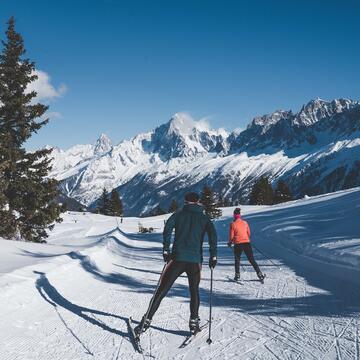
209	341
153	297
267	257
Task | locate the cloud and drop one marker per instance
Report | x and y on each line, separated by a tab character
44	88
53	115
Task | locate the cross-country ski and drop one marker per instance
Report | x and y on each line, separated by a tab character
135	338
194	335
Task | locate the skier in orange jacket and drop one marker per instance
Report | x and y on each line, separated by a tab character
239	235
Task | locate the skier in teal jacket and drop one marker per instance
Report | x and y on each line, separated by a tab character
186	255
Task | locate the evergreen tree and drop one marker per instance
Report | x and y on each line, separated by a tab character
210	204
223	201
173	206
116	206
282	193
5	219
262	192
226	202
158	210
64	207
220	202
104	203
30	194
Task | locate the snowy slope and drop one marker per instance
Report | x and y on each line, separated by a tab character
69	299
315	150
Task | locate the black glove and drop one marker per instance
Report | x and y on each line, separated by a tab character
212	262
166	256
229	244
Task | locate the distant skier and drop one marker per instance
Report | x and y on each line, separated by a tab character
239	235
190	226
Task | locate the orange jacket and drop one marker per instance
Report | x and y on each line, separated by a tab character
239	232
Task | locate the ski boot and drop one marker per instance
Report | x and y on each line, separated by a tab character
142	327
261	276
237	277
194	325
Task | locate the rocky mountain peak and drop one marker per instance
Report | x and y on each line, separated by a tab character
268	120
103	145
182	124
318	109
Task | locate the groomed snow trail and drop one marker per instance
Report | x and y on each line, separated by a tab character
70	299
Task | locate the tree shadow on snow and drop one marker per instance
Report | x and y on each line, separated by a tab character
312	305
129	282
278	233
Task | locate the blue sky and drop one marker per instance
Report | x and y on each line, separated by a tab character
124	67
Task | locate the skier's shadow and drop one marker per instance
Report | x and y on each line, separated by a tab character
49	293
53	297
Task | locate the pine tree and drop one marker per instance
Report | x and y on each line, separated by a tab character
64	207
262	192
223	201
115	205
5	219
29	193
173	206
282	193
226	202
209	203
104	203
220	202
156	211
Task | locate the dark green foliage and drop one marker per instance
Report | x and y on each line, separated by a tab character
226	202
262	192
64	207
210	204
223	202
69	203
104	203
352	179
173	206
6	219
282	193
30	195
158	210
115	204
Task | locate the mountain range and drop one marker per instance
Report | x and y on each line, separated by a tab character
315	150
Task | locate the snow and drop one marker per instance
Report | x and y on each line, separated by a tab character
103	145
309	150
181	123
69	299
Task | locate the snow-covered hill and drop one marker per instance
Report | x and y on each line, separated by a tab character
316	150
70	298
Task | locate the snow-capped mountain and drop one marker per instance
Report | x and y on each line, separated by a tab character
315	150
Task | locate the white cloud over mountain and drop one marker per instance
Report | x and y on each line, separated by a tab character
44	88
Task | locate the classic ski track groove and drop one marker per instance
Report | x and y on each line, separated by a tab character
336	337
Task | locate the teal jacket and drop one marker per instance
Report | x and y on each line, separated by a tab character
190	226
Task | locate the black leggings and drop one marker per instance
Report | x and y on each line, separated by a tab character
172	271
246	247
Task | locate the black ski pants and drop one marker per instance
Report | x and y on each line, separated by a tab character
246	247
172	271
